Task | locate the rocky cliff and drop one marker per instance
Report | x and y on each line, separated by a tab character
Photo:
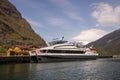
14	29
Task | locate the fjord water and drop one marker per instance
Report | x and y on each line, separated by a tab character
100	69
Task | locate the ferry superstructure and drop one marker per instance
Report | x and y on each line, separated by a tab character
63	51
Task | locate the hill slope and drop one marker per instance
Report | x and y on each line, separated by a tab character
15	30
109	44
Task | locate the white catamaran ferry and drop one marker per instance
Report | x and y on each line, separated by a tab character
62	51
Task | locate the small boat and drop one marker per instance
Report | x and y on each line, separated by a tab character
61	50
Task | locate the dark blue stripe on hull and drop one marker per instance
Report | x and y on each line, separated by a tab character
64	58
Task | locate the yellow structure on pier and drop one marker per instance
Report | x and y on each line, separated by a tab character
19	51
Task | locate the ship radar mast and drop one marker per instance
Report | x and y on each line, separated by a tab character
56	41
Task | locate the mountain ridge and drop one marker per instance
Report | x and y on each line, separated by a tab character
108	44
14	29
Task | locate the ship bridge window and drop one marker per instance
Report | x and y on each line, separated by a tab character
65	47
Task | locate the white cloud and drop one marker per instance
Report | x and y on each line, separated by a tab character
35	23
106	15
90	35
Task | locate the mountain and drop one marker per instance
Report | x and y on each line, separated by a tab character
14	29
109	44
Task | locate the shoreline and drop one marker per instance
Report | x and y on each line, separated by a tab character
27	59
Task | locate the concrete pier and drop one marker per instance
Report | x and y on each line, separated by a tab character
14	59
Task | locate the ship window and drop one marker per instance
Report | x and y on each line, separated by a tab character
65	47
43	51
65	51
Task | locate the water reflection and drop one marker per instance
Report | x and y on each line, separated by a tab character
14	71
102	69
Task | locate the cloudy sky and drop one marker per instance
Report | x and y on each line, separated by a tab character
76	20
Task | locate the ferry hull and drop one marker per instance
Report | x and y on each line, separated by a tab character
58	58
